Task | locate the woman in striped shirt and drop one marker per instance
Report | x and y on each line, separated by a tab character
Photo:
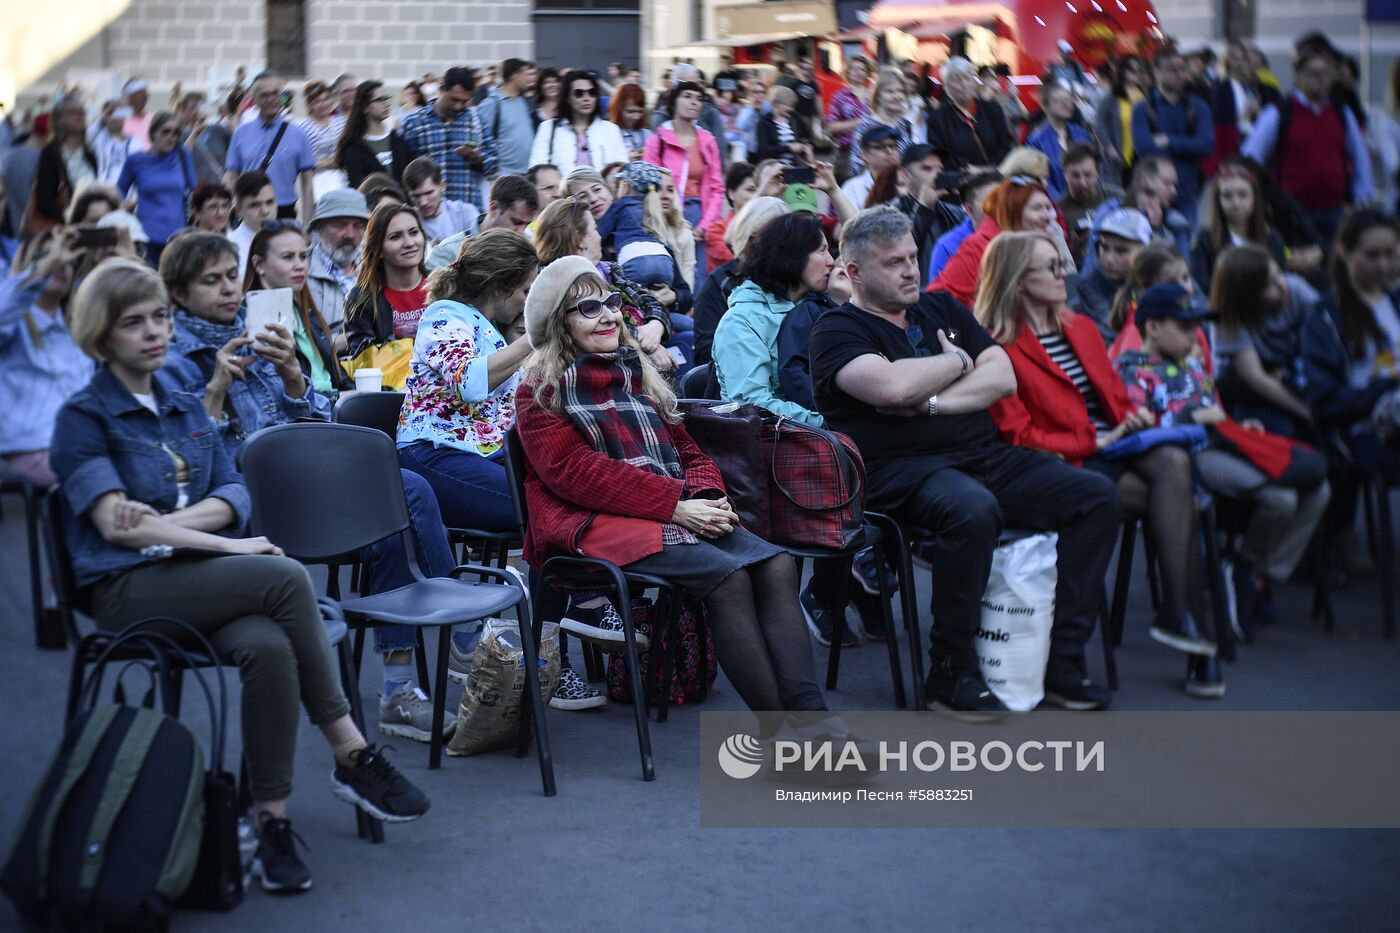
1070	402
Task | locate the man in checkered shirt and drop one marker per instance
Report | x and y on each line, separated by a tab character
449	132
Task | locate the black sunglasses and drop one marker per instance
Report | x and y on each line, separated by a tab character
592	308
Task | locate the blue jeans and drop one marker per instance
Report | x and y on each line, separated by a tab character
471	490
385	566
650	270
693	212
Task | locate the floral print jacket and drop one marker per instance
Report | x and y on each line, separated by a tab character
447	402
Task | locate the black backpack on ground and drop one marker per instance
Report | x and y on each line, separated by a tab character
114	832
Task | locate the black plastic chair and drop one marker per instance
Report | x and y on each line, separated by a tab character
871	536
352	507
696	383
380	411
88	648
33	497
592	575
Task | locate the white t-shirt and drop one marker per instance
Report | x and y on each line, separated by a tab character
857	189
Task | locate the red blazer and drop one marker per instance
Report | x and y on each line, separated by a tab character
959	277
582	502
1047	412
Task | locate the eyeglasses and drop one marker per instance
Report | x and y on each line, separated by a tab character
592	308
380	100
1056	268
584	92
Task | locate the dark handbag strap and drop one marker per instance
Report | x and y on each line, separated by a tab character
159	643
272	150
828	439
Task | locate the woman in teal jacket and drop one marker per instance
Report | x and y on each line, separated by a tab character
786	260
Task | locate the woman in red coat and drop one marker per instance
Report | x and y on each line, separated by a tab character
611	472
1018	203
1071	402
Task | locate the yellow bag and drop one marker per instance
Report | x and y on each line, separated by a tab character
392	359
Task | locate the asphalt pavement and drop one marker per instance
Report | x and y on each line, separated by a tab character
612	852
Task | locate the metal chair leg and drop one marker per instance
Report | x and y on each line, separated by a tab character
1154	583
439	695
420	654
1385	557
532	713
1220	609
891	638
1126	546
910	607
634	676
365	825
669	657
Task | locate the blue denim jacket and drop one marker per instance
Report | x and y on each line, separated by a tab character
106	441
259	400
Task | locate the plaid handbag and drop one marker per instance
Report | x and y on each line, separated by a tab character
733	436
816	493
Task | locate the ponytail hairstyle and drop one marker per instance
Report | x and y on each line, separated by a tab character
1152	264
488	267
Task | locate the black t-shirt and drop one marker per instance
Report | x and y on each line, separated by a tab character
844	333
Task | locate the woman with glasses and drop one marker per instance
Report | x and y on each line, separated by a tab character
1070	402
595	417
579	135
277	258
368	145
628	109
566	228
391	292
163	178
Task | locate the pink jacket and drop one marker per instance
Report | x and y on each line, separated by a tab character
662	149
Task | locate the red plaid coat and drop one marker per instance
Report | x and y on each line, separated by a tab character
570	488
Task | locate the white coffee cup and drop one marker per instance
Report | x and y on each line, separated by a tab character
368	380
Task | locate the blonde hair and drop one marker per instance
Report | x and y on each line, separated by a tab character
1023	160
1004	264
544	367
109	290
889	78
753	217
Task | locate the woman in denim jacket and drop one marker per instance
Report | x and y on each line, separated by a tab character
248	381
245	392
141	468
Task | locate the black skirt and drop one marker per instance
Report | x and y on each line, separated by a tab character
699	568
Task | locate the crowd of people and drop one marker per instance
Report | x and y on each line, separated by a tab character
1011	310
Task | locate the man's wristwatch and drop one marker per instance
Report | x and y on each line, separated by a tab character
932	405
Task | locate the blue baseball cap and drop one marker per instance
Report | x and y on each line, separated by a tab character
1168	300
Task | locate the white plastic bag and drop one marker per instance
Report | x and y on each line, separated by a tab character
1018	609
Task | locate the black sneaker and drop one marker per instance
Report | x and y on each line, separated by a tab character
1204	679
964	694
822	622
1068	686
864	572
376	787
1183	634
275	860
601	624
